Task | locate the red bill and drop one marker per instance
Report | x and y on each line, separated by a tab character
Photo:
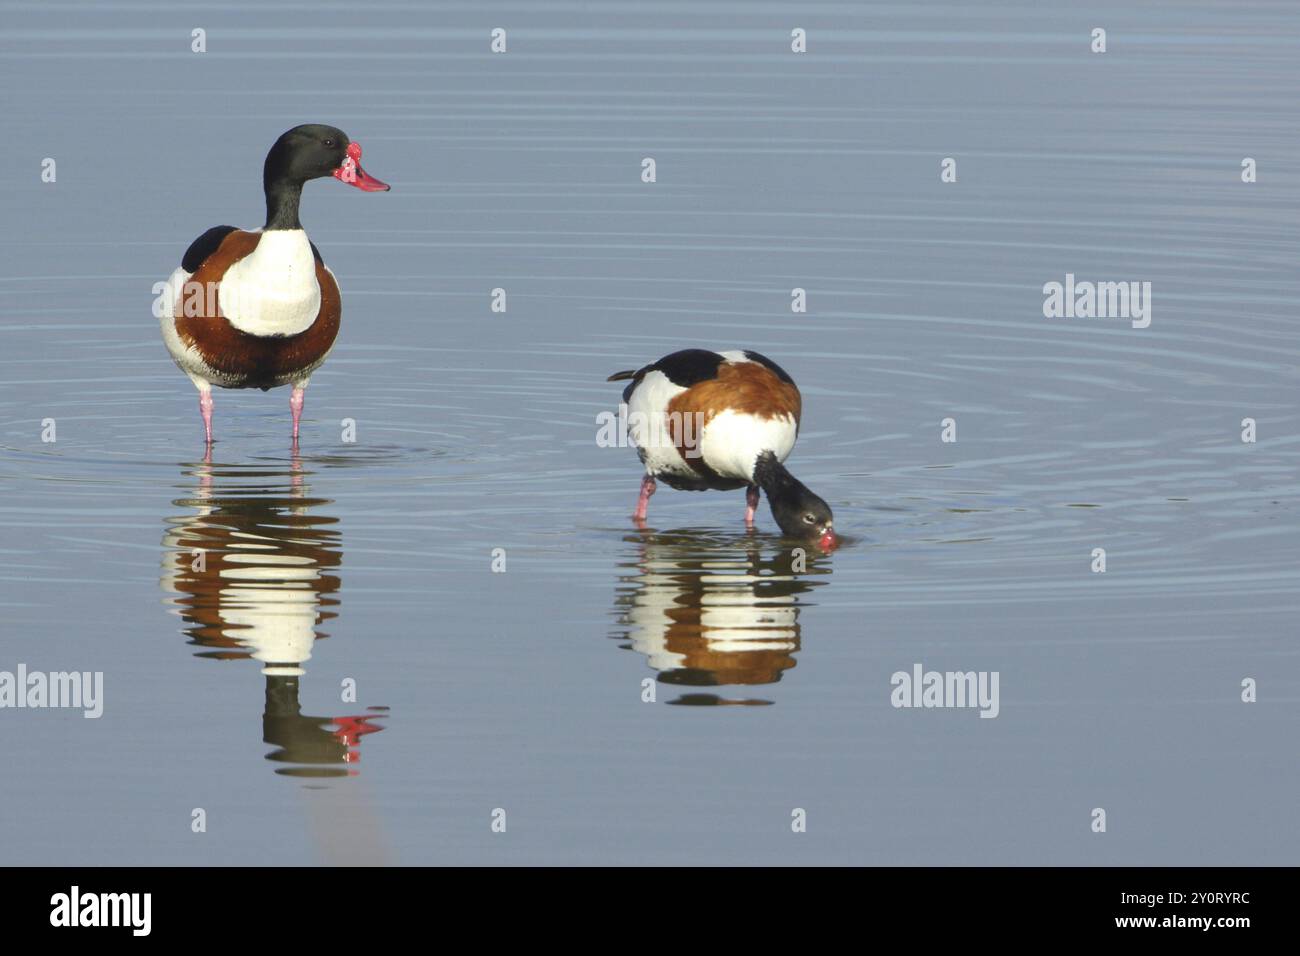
352	173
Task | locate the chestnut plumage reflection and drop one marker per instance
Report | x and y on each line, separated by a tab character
709	609
251	568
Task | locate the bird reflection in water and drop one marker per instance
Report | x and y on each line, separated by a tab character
709	609
251	564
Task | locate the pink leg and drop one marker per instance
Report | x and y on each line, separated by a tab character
205	406
642	503
295	406
751	503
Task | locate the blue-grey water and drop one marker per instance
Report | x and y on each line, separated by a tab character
312	655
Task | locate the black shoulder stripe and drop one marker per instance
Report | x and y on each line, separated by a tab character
689	366
685	368
768	363
316	252
636	380
204	246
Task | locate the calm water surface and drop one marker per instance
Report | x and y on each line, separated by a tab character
233	603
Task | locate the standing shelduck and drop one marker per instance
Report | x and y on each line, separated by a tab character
260	309
704	420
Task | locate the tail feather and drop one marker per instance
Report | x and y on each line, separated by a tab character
622	376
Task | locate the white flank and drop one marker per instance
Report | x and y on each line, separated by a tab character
647	424
189	359
733	441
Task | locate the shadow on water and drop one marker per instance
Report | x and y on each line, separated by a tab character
250	566
711	609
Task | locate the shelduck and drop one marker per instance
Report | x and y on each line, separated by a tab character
703	420
260	309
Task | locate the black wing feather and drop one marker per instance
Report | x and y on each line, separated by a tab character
685	368
769	364
204	246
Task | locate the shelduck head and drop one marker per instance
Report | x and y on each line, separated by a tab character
308	152
314	151
797	511
801	514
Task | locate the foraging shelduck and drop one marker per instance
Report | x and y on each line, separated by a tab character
705	420
261	309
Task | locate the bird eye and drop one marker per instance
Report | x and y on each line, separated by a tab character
809	519
329	142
